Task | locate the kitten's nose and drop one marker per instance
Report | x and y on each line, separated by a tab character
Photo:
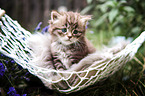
69	36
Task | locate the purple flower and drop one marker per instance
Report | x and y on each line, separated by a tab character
87	25
38	27
27	73
92	32
12	92
12	61
26	78
6	61
1	55
2	70
45	29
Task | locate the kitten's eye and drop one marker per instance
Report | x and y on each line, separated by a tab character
64	30
66	25
75	32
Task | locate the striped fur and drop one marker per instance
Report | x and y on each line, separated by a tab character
71	46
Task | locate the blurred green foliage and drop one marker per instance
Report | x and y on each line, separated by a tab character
117	17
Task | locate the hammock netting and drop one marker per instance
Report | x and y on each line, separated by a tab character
13	43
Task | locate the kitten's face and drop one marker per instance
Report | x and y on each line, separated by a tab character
67	27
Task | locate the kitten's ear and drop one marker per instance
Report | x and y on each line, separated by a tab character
54	15
84	19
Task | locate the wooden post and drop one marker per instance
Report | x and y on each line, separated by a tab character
2	12
46	12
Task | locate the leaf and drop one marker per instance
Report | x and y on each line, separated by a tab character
109	4
101	20
89	1
135	30
102	8
85	10
112	15
128	9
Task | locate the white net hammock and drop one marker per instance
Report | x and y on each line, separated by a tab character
13	40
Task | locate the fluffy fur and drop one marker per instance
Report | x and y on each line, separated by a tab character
68	42
40	45
67	50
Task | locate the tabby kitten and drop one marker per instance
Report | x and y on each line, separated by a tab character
68	42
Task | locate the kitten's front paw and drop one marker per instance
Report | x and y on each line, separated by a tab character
59	66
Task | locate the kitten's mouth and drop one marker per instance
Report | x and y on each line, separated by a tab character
67	42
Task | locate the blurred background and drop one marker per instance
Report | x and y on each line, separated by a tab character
30	12
110	18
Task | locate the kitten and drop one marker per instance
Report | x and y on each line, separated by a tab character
66	47
68	42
